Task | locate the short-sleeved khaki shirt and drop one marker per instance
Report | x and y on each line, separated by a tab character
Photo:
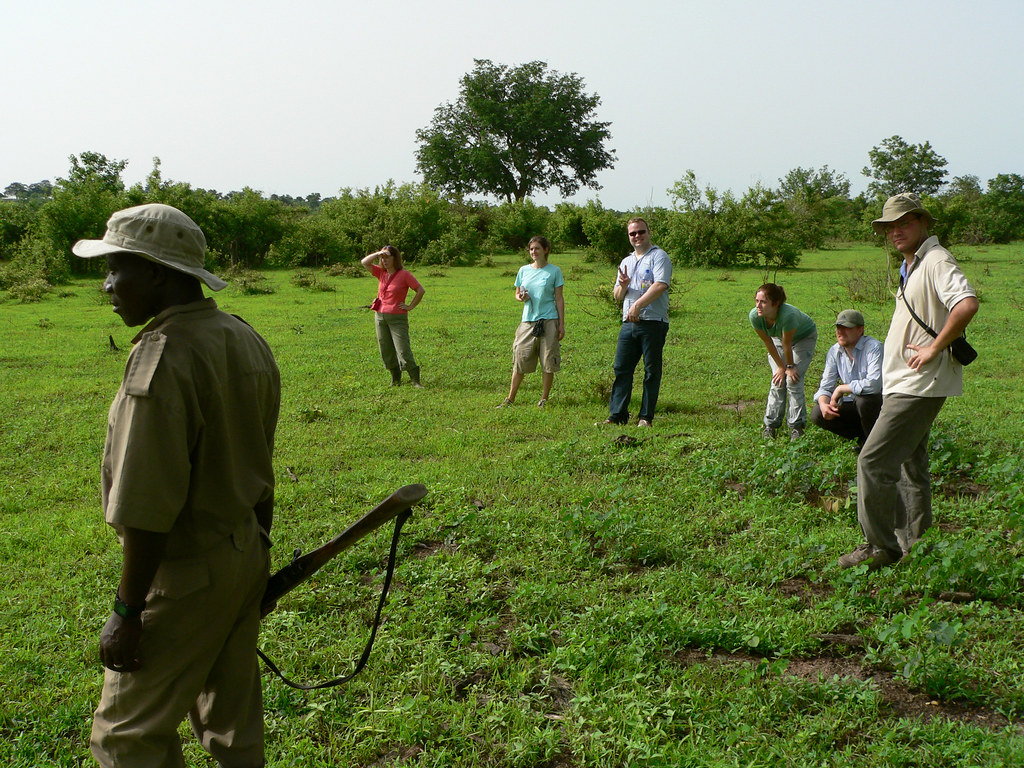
934	286
190	434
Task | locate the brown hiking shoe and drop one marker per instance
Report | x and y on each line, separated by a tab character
866	553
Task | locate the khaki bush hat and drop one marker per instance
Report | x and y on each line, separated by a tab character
157	232
898	206
850	318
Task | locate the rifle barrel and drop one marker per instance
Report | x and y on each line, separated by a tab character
300	569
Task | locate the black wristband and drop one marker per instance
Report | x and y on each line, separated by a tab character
125	611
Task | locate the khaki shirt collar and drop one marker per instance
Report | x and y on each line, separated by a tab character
203	305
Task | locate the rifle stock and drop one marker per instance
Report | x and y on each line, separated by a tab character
301	568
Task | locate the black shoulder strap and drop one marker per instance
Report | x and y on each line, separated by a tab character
373	633
922	323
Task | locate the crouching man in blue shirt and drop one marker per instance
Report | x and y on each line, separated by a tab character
849	396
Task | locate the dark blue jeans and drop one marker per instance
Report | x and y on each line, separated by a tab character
645	338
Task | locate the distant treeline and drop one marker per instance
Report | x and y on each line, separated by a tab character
766	227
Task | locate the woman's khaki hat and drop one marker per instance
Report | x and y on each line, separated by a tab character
899	206
157	232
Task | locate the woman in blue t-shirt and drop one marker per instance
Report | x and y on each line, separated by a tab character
539	287
789	336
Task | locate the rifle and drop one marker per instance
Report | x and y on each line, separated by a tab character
301	568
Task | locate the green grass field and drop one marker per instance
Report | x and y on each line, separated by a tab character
565	596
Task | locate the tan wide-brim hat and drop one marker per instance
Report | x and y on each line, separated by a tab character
157	232
899	206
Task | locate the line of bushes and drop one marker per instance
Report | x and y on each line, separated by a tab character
766	227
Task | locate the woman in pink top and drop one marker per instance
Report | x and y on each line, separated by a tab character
392	313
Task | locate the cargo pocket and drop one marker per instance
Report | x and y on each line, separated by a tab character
176	579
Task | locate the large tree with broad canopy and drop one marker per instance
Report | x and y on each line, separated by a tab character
514	131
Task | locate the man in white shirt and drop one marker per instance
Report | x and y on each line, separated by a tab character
849	396
642	287
894	499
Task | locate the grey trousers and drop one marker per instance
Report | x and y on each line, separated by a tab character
796	410
894	492
393	340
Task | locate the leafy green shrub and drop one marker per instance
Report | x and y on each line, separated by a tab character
865	285
308	279
606	233
708	229
316	240
29	290
15	221
249	282
244	225
565	227
513	224
33	265
914	643
308	414
348	269
457	246
411	217
984	565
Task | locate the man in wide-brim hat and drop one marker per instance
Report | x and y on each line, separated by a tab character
188	484
894	504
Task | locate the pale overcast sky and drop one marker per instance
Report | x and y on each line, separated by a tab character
324	94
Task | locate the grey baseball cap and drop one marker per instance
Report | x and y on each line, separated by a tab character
850	318
157	232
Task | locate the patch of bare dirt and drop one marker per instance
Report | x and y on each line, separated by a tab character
840	644
555	694
397	756
808	591
836	668
421	550
739	488
564	760
901	700
961	486
476	678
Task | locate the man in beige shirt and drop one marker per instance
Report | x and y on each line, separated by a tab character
188	484
894	503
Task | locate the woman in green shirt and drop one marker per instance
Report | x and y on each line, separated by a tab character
789	336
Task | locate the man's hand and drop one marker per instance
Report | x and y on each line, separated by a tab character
827	407
922	355
623	278
119	643
779	377
838	394
793	375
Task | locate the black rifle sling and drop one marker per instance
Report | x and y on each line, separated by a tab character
399	522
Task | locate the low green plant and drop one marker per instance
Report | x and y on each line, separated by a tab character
913	642
308	279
